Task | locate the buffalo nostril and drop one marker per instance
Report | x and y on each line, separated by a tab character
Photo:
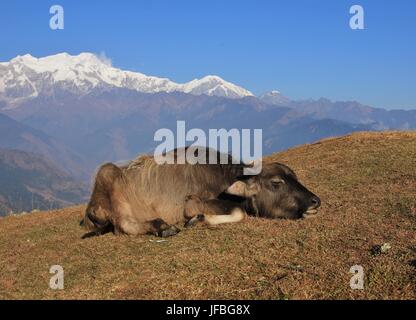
316	202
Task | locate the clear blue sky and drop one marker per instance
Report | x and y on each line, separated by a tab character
304	48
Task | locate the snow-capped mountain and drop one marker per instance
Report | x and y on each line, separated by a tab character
26	77
274	97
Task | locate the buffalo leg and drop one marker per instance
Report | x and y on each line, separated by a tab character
126	222
211	211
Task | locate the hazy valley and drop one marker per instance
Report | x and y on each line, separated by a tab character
77	112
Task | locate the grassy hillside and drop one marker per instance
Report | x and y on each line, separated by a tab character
367	183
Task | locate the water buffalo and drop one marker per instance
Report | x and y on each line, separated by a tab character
146	197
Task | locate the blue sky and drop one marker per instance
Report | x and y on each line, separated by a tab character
304	48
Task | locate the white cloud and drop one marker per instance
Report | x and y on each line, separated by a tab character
104	59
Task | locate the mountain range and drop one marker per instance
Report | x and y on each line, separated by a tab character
30	182
16	135
26	77
80	111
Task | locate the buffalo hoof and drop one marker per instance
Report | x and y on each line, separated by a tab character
169	232
91	234
194	220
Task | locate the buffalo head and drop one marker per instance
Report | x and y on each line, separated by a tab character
277	193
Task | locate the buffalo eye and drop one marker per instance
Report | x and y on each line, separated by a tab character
276	183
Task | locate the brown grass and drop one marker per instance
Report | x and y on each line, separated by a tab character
367	183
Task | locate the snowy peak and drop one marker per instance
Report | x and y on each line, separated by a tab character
274	97
26	77
214	86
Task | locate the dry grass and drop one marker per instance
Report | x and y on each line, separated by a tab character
367	183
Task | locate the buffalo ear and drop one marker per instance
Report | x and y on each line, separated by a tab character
243	189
